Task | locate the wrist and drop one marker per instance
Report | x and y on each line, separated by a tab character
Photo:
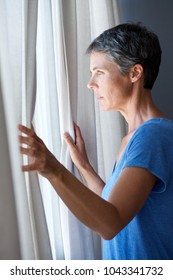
86	169
55	173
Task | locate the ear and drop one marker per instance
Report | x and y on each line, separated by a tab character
136	72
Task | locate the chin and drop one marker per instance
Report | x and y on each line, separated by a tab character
106	109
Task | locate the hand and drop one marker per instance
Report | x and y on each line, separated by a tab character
77	149
43	160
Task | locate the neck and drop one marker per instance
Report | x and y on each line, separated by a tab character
139	109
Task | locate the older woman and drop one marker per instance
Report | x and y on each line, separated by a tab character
133	211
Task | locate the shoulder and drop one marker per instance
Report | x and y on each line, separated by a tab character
157	129
151	147
157	123
153	136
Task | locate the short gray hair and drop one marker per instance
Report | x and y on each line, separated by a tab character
129	44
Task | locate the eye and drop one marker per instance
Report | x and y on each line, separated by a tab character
99	72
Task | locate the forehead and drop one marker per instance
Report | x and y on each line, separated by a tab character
100	60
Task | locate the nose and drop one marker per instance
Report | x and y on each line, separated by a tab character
91	84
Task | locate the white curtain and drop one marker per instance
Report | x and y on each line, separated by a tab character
21	205
55	34
65	29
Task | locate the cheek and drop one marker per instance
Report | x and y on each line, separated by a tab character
122	84
102	80
118	91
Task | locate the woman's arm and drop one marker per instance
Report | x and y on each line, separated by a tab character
83	202
79	157
107	218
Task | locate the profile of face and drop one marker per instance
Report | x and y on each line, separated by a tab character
111	88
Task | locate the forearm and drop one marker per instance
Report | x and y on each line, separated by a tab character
92	179
88	207
96	213
81	161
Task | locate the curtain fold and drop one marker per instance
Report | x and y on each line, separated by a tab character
65	30
44	72
47	112
109	126
84	20
18	22
9	245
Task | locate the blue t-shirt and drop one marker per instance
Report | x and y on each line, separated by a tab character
149	235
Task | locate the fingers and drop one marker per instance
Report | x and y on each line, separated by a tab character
77	131
68	139
26	140
32	149
31	152
40	159
28	131
78	137
31	139
28	167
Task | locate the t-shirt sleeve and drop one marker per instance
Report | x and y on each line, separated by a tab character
149	149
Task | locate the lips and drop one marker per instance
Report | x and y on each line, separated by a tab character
99	97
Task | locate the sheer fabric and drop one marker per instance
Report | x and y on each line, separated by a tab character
44	72
65	72
28	237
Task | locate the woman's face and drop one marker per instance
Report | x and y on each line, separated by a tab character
112	89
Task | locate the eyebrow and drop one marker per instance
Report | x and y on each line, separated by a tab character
95	68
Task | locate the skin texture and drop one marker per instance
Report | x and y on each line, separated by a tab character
114	91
